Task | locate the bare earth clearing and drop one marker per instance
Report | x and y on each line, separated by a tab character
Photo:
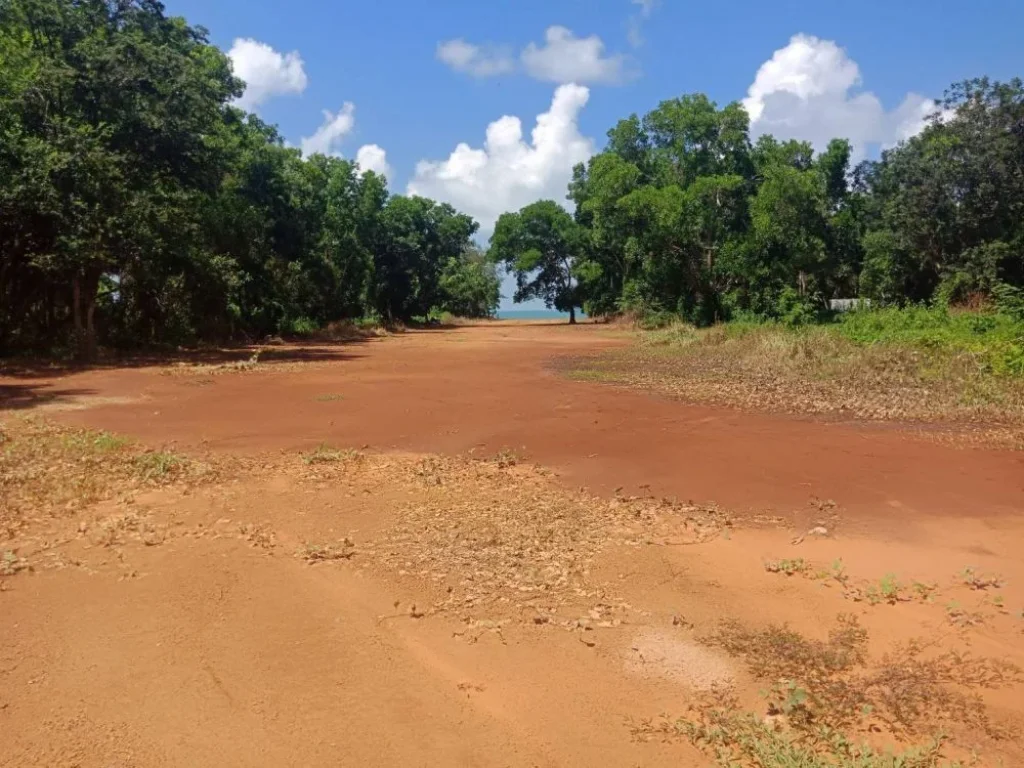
432	549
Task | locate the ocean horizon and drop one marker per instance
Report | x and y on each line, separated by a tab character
536	314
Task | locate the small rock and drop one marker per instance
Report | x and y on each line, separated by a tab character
153	538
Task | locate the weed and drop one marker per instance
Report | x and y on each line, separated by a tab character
319	553
324	454
779	652
158	465
717	725
829	684
910	689
432	470
979	581
593	374
259	535
924	592
888	590
102	442
506	458
961	617
45	468
10	563
788	567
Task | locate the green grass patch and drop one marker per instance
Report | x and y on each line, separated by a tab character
899	364
995	341
158	465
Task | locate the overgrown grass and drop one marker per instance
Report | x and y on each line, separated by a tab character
994	341
905	364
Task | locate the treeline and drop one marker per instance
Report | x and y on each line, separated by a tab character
682	213
137	206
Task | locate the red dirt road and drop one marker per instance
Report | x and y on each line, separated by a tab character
183	626
488	388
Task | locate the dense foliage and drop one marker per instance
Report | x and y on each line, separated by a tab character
137	206
683	214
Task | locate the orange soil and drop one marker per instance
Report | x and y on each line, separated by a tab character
209	651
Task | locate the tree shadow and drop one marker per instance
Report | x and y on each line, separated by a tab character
293	351
17	397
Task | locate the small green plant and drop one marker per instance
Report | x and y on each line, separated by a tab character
837	571
99	442
105	441
788	567
158	465
888	590
924	592
979	581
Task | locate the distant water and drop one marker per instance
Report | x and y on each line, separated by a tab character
536	314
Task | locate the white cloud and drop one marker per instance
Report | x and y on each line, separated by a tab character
634	26
475	60
371	157
508	173
329	135
809	91
565	58
646	6
266	72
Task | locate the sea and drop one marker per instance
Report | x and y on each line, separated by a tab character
536	314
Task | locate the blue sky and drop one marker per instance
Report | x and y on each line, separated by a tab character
422	77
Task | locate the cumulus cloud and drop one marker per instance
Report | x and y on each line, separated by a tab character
328	136
809	90
565	58
371	157
475	60
266	72
508	173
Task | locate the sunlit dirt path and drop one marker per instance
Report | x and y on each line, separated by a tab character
214	643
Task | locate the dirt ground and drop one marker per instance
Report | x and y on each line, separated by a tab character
433	549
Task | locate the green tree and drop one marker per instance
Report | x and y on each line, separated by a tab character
469	285
543	246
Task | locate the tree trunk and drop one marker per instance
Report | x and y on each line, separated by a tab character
572	315
83	291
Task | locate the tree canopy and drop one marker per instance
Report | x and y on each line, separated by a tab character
683	213
542	246
138	206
